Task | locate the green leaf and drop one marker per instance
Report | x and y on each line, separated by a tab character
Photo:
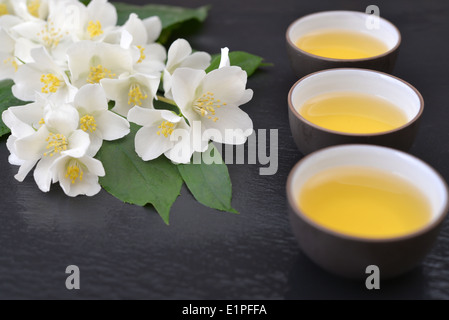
7	100
111	105
173	18
247	61
160	105
210	184
135	181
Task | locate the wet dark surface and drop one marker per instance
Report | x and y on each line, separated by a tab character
125	251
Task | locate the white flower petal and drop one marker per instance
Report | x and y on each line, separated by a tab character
178	52
122	91
63	119
96	142
79	142
168	82
114	36
126	40
30	114
43	58
24	170
42	173
9	21
224	62
156	51
34	146
18	128
149	82
13	158
67	15
137	29
144	117
29	29
23	49
183	148
84	55
247	97
185	82
95	166
66	185
103	11
153	26
89	186
180	154
170	116
91	98
11	146
150	145
147	67
115	58
58	168
121	108
27	82
28	79
7	70
228	84
154	59
25	166
92	169
231	119
115	88
112	126
198	60
7	42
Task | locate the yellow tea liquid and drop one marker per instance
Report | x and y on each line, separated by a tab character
364	202
341	44
353	112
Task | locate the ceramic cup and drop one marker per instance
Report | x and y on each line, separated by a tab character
349	256
310	137
304	63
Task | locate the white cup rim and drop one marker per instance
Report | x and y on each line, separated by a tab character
311	75
440	216
293	45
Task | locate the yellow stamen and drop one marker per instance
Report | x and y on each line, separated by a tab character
13	62
50	36
74	171
56	144
166	128
3	9
87	123
206	106
98	73
94	29
51	83
33	7
38	125
142	54
135	95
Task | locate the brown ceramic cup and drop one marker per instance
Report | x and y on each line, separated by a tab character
310	137
304	63
349	256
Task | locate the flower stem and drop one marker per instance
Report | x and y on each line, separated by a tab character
165	100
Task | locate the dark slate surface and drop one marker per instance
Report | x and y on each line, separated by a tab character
127	252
